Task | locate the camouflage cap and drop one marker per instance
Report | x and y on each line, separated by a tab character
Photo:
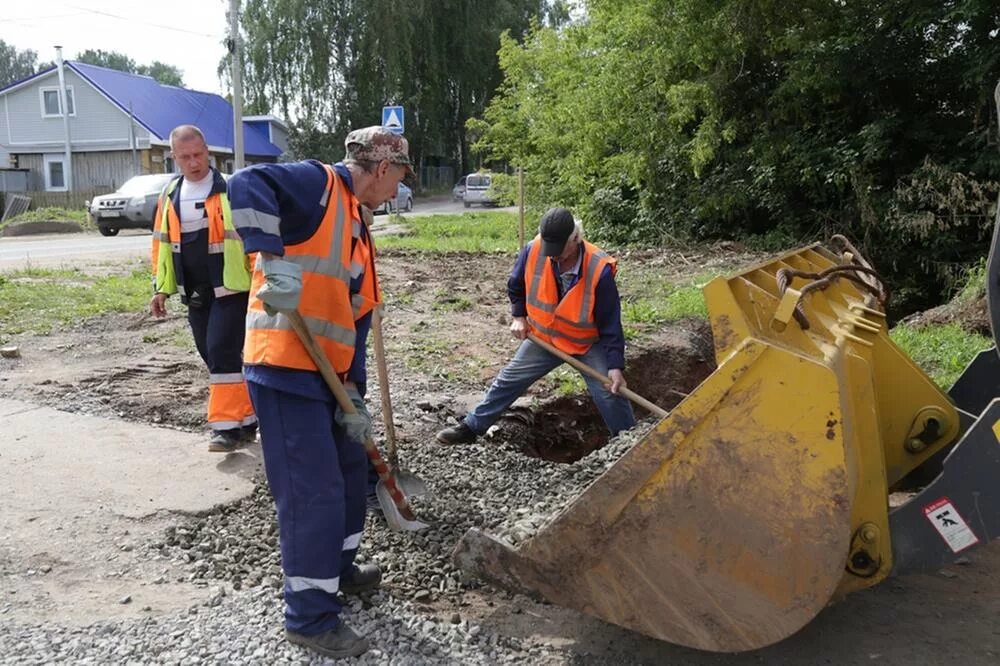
377	143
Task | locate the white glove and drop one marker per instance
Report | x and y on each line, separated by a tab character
282	288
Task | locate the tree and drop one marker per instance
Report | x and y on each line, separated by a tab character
327	67
166	74
16	64
722	118
109	59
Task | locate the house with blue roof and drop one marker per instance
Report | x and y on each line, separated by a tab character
119	127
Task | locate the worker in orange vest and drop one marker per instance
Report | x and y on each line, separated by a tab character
563	290
197	252
306	221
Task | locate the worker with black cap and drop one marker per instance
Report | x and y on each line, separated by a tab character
562	290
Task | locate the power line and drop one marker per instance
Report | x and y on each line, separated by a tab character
141	22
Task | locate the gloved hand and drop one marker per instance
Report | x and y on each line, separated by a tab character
358	426
282	289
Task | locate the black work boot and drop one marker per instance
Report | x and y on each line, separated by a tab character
360	578
338	642
458	434
225	441
249	433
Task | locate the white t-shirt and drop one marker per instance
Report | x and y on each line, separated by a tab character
193	194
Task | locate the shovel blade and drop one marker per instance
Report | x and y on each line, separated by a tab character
411	484
397	522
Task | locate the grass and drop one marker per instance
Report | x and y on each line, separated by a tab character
77	215
650	300
942	351
469	232
446	300
38	300
973	284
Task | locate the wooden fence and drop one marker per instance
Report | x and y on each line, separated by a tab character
69	200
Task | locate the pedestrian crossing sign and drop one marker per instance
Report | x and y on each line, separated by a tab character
392	118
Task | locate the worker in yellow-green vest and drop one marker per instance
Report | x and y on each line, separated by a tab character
197	252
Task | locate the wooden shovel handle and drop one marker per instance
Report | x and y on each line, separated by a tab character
383	386
344	400
604	379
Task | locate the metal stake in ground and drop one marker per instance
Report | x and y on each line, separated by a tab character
393	503
584	368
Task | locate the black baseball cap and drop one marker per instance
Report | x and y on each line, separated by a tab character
555	228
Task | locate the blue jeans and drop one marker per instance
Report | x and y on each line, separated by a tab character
530	364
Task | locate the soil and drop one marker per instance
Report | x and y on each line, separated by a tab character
446	338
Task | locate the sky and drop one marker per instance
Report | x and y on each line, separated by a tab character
185	33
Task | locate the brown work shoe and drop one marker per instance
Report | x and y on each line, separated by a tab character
458	434
339	642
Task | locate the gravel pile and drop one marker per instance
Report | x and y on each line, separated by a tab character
566	484
487	484
412	620
245	628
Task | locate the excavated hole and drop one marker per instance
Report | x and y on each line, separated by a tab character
567	429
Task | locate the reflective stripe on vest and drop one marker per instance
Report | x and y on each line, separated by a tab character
568	324
326	304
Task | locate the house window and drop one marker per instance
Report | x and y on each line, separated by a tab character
228	166
50	102
55	172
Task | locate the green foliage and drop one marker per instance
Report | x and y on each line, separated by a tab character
942	351
52	213
973	284
447	300
162	72
16	64
37	300
694	119
565	381
332	66
471	232
650	300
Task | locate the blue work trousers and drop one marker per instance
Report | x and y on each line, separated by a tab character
318	478
530	364
218	327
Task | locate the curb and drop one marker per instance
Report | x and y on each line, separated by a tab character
42	227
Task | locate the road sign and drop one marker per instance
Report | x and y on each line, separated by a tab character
392	117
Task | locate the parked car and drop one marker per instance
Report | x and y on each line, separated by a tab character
458	192
132	206
403	201
477	190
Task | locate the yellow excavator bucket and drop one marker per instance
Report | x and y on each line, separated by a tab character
763	495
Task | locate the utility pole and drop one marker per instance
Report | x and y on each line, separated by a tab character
234	48
132	140
68	169
520	206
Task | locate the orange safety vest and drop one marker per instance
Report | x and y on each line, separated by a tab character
330	258
567	324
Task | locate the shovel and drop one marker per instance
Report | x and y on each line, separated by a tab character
394	506
586	369
409	483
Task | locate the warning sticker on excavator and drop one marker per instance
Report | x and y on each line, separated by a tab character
950	525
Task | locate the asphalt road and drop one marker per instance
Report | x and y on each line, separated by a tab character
57	250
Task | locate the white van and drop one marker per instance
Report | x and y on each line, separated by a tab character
477	187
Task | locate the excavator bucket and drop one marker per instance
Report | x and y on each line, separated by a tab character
763	496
